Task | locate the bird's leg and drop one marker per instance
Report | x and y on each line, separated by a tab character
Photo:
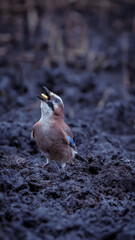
46	164
63	165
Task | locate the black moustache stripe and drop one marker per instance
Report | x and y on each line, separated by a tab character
50	104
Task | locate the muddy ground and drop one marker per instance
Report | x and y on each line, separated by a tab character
95	197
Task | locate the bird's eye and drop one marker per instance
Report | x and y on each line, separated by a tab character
56	100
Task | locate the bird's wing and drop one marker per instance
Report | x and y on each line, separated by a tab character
68	131
69	138
71	142
65	132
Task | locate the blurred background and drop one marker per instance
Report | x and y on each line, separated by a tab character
39	37
72	32
46	41
82	35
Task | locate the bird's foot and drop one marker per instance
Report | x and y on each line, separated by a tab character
63	166
45	165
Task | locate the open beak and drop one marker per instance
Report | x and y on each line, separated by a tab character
46	96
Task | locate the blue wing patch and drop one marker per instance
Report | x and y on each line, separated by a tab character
71	141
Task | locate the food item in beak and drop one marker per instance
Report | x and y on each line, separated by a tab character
44	96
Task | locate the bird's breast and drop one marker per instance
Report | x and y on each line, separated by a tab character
42	136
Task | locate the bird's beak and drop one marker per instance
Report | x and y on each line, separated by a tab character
47	92
46	96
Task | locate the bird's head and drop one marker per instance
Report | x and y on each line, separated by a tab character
51	104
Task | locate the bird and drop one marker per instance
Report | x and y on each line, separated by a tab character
53	136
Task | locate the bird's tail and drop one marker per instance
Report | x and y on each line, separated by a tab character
79	157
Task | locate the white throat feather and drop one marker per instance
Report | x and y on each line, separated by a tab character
46	113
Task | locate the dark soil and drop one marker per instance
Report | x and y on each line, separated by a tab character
95	197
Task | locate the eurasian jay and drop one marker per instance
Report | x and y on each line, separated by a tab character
53	136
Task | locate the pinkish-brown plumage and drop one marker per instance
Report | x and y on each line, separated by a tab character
51	132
